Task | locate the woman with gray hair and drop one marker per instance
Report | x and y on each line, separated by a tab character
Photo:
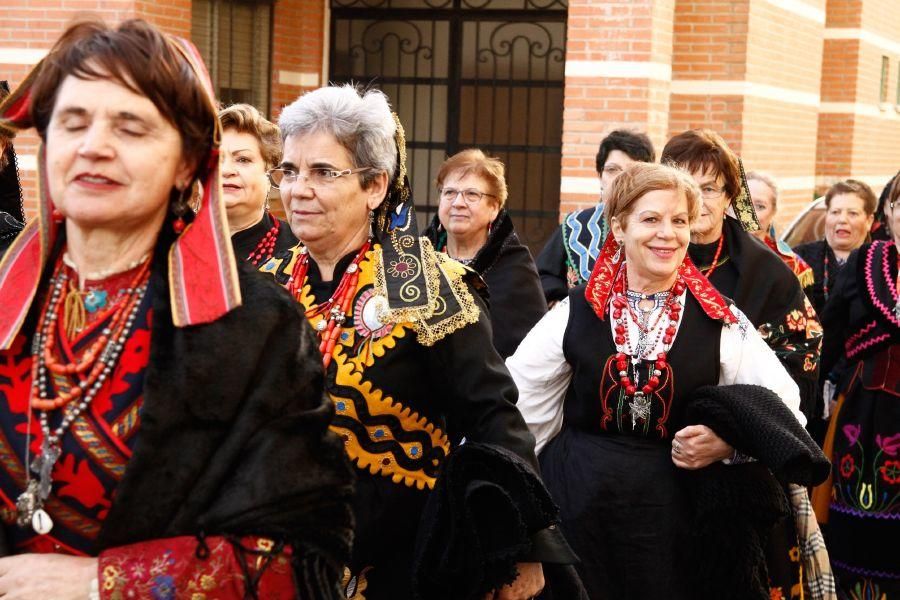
410	368
764	196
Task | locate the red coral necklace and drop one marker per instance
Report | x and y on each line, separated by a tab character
334	310
97	362
715	261
265	248
627	353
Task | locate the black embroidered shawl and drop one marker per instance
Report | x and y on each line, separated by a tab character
859	319
768	292
234	436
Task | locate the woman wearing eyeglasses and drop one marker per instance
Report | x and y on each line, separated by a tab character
250	146
765	289
473	227
410	369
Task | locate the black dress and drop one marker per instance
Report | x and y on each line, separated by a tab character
862	327
826	268
403	400
616	485
515	299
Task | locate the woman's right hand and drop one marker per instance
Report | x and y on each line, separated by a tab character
698	446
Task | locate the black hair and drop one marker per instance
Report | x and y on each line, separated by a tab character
636	145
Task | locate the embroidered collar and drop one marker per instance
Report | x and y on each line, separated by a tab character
583	235
880	272
599	285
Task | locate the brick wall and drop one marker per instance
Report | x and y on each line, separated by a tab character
30	27
298	48
617	75
858	132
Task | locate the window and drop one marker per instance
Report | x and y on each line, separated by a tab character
898	84
234	38
885	73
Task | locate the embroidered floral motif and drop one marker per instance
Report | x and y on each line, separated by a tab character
848	465
167	569
852	432
867	590
868	485
796	321
403	267
889	445
890	471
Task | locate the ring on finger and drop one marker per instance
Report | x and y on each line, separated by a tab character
676	448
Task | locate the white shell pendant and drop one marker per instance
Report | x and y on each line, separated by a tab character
41	522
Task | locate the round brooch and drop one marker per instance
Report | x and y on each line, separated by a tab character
370	308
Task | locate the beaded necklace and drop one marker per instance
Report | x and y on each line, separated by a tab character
715	261
334	310
97	363
630	355
265	248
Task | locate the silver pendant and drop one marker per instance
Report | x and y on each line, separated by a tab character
41	522
42	466
897	310
640	408
27	504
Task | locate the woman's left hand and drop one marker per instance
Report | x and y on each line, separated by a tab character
697	446
41	576
528	584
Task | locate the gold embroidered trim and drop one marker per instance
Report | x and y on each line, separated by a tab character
443	322
377	403
410	291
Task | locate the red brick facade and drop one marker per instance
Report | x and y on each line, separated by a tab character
794	85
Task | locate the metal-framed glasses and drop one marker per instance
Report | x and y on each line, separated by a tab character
711	192
316	177
471	196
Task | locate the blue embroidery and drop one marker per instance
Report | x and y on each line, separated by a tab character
586	254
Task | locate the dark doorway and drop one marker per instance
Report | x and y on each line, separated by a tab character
466	73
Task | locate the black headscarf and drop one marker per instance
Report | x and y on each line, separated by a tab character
12	210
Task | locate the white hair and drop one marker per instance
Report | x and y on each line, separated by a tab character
360	121
768	181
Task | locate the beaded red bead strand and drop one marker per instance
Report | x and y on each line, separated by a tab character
334	310
265	248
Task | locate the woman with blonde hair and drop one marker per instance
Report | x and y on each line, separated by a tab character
625	385
251	146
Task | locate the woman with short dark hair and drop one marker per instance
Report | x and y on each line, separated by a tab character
568	256
164	431
849	213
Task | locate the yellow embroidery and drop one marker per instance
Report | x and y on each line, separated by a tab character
440	324
362	451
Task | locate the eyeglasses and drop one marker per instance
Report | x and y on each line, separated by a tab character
315	178
471	196
613	170
711	193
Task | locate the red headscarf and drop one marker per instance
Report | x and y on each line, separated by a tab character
203	282
606	269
